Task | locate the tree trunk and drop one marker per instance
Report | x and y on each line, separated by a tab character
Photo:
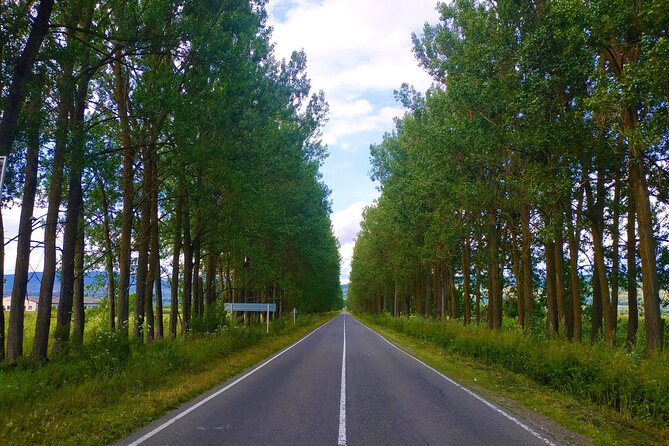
420	297
197	289
22	71
560	291
526	264
127	185
16	314
477	291
154	320
176	253
210	286
620	55
66	92
596	329
199	285
43	322
576	325
79	305
615	252
452	292
465	280
494	291
109	254
517	272
149	315
160	329
188	267
633	309
597	224
198	301
647	252
551	303
75	201
64	314
155	248
144	238
230	287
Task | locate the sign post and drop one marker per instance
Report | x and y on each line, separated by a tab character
258	308
294	315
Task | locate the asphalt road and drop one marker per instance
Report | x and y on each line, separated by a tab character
342	384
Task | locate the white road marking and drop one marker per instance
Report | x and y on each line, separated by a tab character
342	395
474	395
214	395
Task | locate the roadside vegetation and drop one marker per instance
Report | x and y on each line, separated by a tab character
522	221
554	378
532	174
630	383
165	144
98	392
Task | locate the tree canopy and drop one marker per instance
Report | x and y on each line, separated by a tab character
544	133
169	144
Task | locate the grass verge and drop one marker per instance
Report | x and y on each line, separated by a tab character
102	393
519	394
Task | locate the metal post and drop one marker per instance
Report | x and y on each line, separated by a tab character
294	313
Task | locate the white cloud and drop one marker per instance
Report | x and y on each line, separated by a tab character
346	225
356	44
349	109
346	253
344	126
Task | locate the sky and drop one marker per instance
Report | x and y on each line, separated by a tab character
358	53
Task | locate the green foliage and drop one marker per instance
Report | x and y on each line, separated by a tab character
522	146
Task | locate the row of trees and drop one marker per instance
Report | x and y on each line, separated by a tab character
535	167
166	142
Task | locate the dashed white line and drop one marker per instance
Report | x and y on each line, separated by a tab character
342	395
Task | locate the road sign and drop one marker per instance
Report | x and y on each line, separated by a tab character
233	306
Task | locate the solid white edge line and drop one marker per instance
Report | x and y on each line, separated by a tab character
217	393
471	393
342	395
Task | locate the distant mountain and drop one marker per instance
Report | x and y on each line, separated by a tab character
95	283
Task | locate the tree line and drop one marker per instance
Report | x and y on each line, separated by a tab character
532	176
167	142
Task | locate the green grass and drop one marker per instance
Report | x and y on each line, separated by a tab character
609	395
102	391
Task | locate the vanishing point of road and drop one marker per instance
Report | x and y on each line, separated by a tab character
342	384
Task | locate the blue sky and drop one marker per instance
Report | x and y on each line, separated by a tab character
358	52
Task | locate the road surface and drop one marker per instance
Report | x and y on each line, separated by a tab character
343	384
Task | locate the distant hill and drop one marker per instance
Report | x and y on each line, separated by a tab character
95	283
